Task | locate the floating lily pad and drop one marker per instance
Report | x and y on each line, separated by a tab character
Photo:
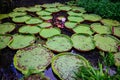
59	43
14	14
101	29
20	9
21	41
78	9
45	25
6	27
70	25
117	59
65	8
27	29
71	13
91	17
110	22
83	28
32	59
83	42
116	31
43	13
33	20
52	10
3	16
75	19
21	19
52	5
46	17
65	65
106	43
4	40
49	32
34	9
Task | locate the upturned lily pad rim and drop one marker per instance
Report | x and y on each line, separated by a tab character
65	53
29	48
87	35
61	35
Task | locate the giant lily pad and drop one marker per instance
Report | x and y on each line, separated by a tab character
4	40
59	43
78	9
65	8
82	42
110	22
20	9
71	13
91	17
6	27
46	17
66	64
52	5
106	43
32	59
45	25
70	25
15	14
3	16
117	59
49	32
34	9
27	29
33	20
43	13
83	28
21	19
52	10
101	29
75	19
116	31
21	41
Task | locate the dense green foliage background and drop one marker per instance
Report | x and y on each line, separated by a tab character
104	8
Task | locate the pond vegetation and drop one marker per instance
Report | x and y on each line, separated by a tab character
75	44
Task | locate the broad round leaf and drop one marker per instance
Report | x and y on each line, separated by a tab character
32	59
59	43
45	25
6	27
4	40
91	17
82	42
106	43
70	25
49	32
21	19
43	13
83	28
27	29
21	41
101	29
110	22
15	14
65	65
117	59
75	19
33	21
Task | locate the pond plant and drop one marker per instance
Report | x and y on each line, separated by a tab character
62	37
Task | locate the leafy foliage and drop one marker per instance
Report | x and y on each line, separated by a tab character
90	73
108	58
104	8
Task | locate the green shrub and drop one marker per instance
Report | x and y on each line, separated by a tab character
104	8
